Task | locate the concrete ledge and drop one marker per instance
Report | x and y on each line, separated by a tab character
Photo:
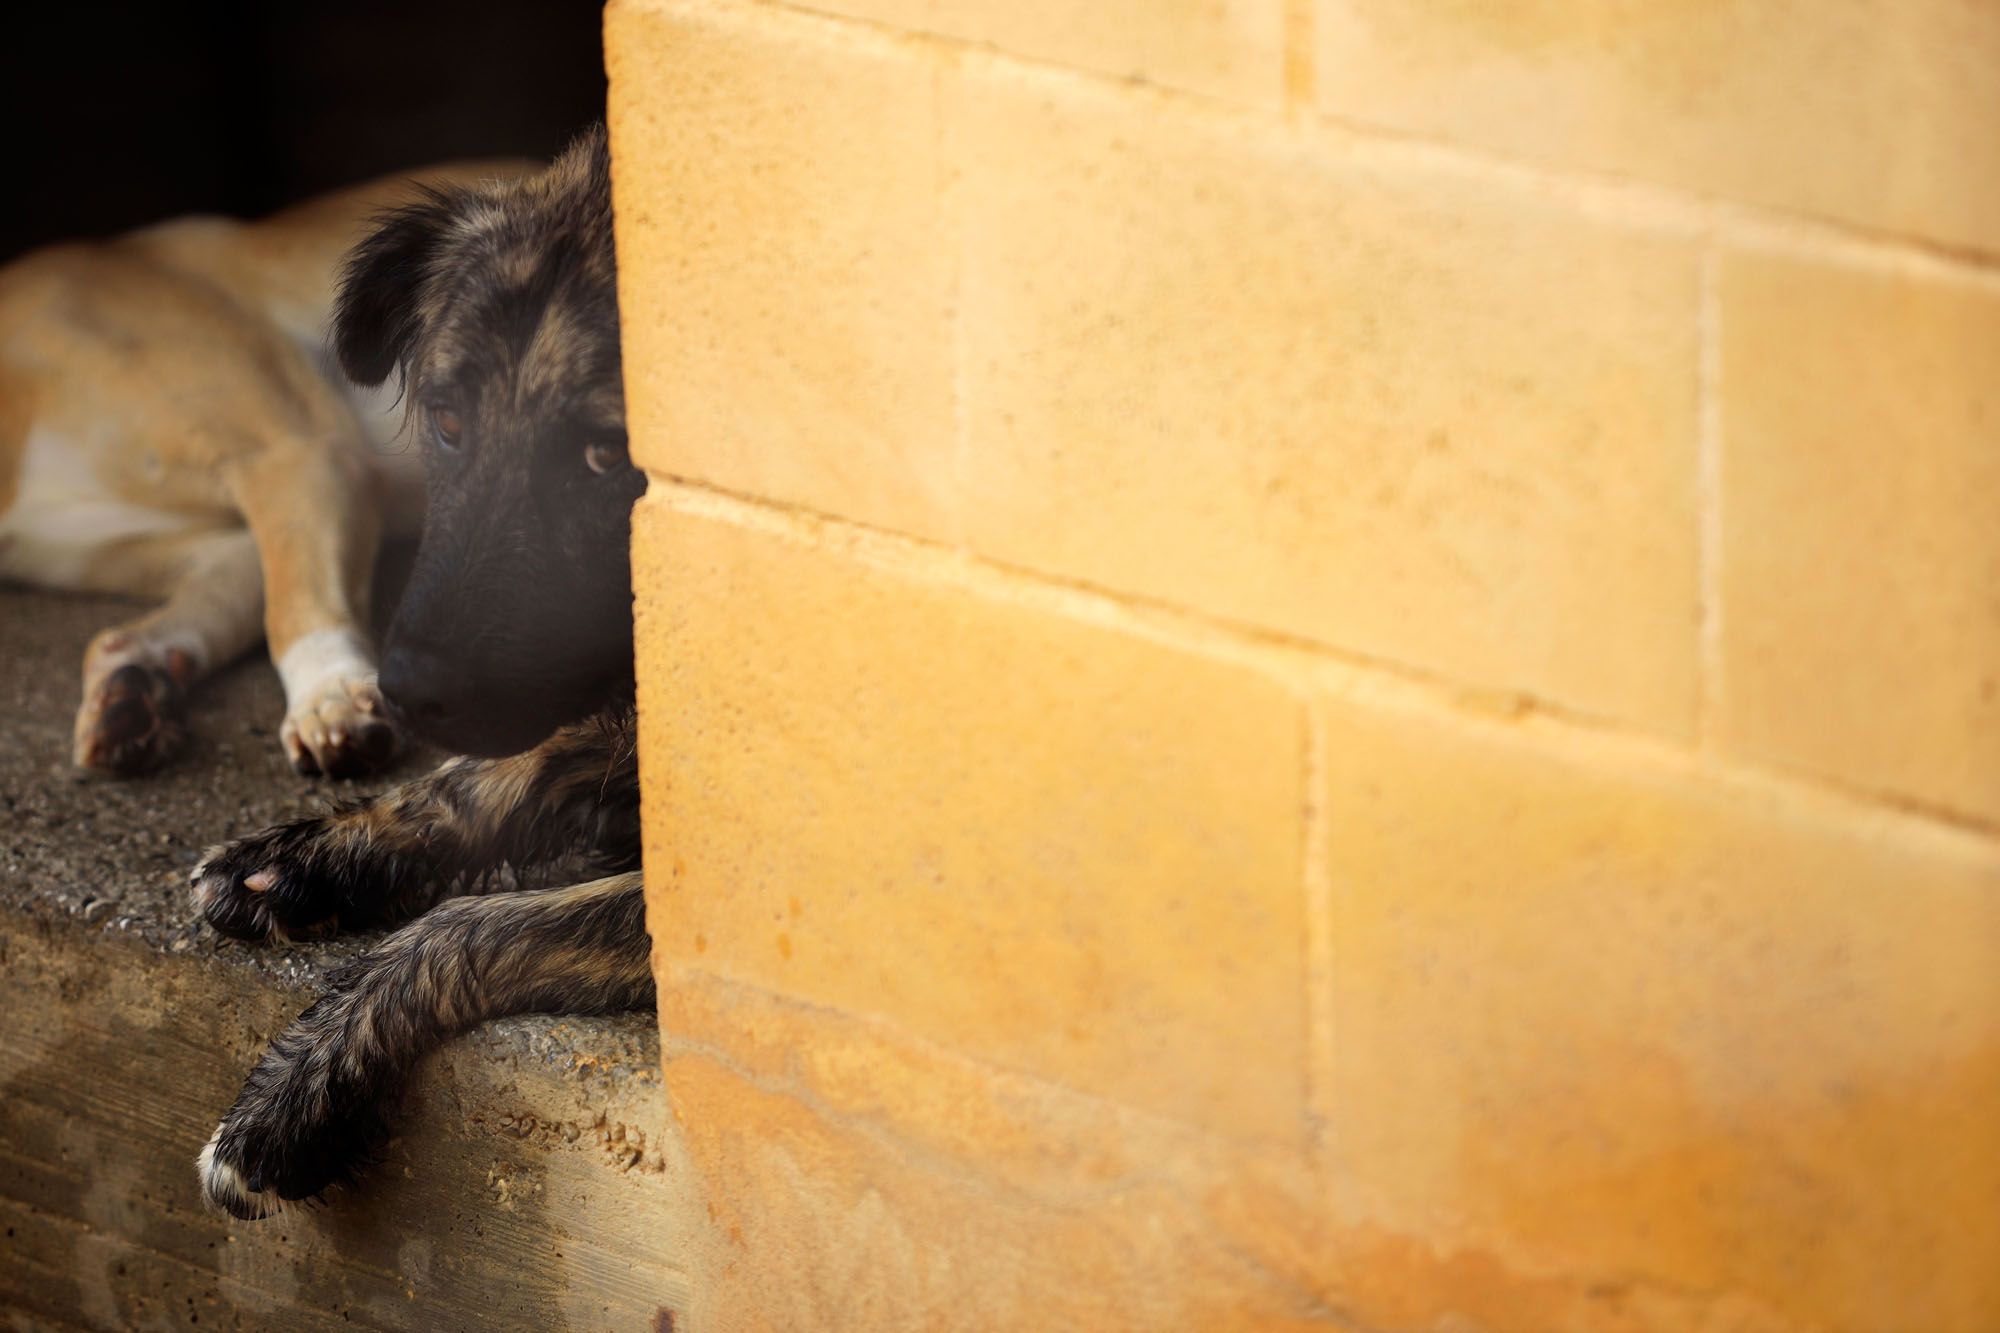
528	1188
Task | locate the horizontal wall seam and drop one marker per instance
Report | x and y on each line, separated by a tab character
1208	1152
882	1133
1634	202
1312	667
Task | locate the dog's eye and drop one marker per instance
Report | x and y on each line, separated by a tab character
604	456
446	426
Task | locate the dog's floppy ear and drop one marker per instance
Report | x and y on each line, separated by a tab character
376	316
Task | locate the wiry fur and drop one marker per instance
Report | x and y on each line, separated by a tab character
318	1100
514	641
571	801
501	307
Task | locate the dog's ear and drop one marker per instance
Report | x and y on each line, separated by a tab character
377	314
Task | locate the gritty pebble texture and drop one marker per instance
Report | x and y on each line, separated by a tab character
114	854
532	1179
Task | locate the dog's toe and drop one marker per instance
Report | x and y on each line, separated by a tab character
270	885
132	720
224	1188
360	749
302	1124
229	902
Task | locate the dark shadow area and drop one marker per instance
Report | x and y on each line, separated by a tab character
122	114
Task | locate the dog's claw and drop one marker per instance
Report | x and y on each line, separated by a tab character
340	731
262	887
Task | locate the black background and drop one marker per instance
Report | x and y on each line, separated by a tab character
122	114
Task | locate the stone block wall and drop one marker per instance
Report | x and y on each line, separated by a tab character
1322	663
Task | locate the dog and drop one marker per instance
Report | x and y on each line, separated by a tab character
497	303
171	426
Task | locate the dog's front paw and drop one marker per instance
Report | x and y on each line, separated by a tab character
252	1168
340	728
133	719
225	1188
299	1125
291	880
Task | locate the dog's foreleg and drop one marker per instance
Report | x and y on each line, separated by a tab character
388	857
318	1101
136	676
316	519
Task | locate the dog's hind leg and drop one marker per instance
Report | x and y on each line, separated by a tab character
318	1101
136	675
571	803
148	394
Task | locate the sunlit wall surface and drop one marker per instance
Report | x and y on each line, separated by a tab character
1322	663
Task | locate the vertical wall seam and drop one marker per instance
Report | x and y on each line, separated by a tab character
1300	70
1316	865
1709	499
947	97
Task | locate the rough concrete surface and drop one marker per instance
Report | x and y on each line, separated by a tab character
523	1191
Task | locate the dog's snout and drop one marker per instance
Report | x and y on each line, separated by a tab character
414	682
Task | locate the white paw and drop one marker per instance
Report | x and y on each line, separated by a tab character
340	728
224	1189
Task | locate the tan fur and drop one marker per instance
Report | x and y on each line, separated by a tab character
161	393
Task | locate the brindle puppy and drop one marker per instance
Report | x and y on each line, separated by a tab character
513	642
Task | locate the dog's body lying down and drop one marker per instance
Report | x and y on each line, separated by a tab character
513	640
171	426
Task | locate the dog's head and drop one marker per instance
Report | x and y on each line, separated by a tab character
498	304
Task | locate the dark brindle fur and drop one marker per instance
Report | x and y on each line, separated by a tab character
513	641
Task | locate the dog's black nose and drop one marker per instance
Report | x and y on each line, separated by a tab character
414	681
